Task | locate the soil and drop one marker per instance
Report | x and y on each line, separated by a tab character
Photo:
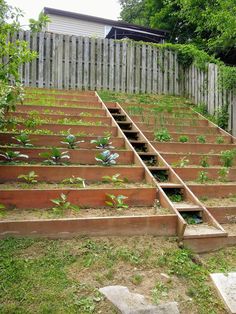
224	201
34	214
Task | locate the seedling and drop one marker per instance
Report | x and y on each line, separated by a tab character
62	205
74	180
227	157
11	156
183	139
201	139
71	142
204	161
54	157
23	139
183	162
223	174
117	202
113	179
30	178
162	135
202	177
107	158
219	140
102	142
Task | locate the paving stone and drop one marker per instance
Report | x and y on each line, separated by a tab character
226	287
134	303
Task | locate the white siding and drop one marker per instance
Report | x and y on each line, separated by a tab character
71	26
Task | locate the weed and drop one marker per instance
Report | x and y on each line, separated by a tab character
29	178
107	158
113	179
201	139
54	157
117	202
183	139
223	174
74	180
183	162
136	279
162	135
204	161
159	291
220	140
2	210
202	177
227	157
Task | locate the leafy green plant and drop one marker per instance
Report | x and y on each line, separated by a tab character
159	291
102	142
117	202
183	138
192	218
54	157
201	139
62	205
227	157
106	158
162	135
71	141
202	177
204	161
136	279
10	156
23	139
113	179
223	174
222	116
74	180
176	197
219	140
30	178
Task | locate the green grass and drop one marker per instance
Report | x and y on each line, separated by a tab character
63	276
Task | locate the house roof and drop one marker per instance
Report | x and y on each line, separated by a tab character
161	33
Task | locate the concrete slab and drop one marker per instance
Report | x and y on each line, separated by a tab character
134	303
226	287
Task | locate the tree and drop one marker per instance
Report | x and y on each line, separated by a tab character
13	54
208	24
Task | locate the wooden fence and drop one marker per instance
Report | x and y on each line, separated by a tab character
71	62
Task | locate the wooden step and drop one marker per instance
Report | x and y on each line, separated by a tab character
187	207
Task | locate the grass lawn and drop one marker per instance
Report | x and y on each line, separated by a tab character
63	276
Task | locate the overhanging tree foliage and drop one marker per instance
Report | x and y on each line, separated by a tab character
13	54
210	25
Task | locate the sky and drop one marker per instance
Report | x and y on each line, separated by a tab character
109	9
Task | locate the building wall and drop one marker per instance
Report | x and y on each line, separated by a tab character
71	26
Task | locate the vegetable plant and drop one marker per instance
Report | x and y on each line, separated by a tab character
10	156
162	135
54	157
113	179
74	180
227	157
183	139
23	139
30	178
201	139
106	158
202	177
117	202
102	142
71	142
62	204
183	162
